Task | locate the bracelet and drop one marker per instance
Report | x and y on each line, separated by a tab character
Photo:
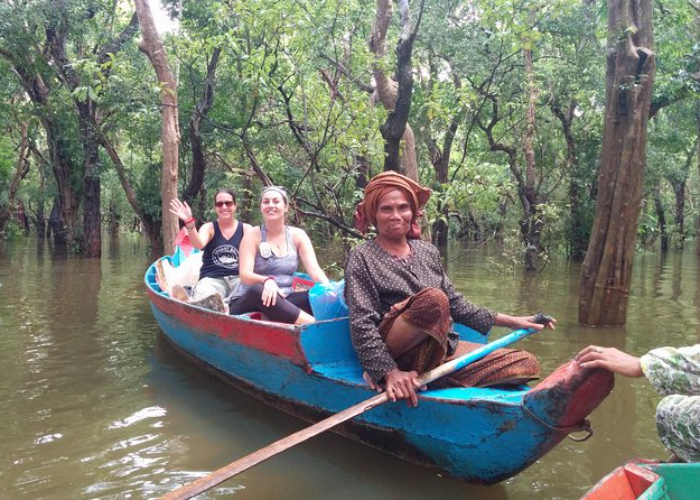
190	220
266	279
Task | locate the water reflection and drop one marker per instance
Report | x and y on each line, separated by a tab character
96	404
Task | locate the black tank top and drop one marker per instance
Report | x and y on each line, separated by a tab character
220	257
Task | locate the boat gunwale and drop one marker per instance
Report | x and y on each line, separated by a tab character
469	398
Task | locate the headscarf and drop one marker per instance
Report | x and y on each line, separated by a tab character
276	189
381	184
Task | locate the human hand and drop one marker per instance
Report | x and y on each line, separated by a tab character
270	293
518	322
370	382
181	209
403	385
610	359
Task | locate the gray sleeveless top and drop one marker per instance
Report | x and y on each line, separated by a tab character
281	269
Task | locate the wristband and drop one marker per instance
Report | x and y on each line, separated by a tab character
266	280
190	220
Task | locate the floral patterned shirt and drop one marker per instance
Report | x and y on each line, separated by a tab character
375	280
676	374
673	371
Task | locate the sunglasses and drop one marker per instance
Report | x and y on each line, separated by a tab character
220	204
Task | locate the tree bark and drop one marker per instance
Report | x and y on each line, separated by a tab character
64	223
88	120
440	159
199	163
56	37
678	180
153	47
607	270
150	225
532	222
578	238
661	219
21	171
396	96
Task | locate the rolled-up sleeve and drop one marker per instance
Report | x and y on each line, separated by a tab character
364	305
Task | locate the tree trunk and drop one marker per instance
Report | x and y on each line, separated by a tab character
56	223
152	46
396	96
440	159
114	220
92	209
196	141
661	219
578	233
151	226
607	270
532	222
40	222
679	216
21	171
65	223
57	34
678	180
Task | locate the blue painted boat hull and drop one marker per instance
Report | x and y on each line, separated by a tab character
480	435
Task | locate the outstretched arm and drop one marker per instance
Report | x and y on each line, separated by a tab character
610	359
199	239
516	322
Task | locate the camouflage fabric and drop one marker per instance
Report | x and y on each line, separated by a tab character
676	374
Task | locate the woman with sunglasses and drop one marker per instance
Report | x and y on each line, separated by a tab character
270	256
220	241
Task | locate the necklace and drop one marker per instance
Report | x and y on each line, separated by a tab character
276	246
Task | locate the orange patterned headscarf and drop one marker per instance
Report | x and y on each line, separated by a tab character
381	184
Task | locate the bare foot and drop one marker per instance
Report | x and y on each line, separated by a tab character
214	302
160	278
180	293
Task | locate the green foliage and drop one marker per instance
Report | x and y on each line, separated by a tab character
291	98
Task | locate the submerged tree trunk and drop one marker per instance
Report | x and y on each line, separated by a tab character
21	171
92	203
678	180
65	222
150	225
607	270
532	222
661	218
152	46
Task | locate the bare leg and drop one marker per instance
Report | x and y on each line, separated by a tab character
403	337
304	319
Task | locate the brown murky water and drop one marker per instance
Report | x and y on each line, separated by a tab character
94	403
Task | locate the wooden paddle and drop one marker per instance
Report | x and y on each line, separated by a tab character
219	476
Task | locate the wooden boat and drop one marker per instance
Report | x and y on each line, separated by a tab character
645	480
480	435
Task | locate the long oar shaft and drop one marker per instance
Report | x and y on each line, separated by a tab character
220	475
